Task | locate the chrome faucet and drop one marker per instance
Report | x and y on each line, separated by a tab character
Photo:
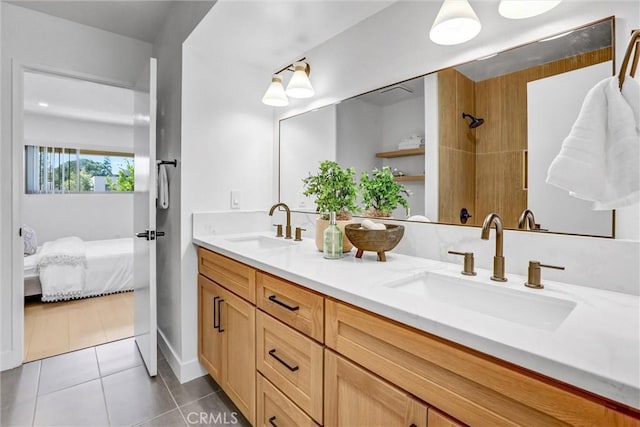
527	218
498	259
287	232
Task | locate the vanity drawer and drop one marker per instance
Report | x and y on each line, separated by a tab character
297	307
290	361
275	409
474	388
233	275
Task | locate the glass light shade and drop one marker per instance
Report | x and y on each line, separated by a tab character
275	95
455	23
520	9
300	86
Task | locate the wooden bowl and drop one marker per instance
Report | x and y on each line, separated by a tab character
377	241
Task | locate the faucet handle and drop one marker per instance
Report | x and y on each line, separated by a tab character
468	262
534	274
299	231
278	230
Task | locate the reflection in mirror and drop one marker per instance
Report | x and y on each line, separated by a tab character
518	107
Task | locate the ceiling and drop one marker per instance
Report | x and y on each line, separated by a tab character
140	20
50	95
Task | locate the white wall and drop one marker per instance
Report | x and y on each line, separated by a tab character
550	118
176	304
40	129
37	39
88	216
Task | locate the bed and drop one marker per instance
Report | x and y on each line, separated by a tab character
71	268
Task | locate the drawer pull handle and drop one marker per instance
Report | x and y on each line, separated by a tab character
272	421
217	314
273	354
273	298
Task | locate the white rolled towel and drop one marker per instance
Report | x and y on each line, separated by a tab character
370	225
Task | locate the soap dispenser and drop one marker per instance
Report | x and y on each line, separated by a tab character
332	246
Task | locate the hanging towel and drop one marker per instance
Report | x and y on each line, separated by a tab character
600	159
162	199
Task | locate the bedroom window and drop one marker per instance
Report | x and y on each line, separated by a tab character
71	170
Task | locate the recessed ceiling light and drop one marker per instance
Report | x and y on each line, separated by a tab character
43	104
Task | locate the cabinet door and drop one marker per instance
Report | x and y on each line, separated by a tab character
210	341
356	397
238	321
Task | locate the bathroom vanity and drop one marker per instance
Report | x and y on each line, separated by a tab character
295	339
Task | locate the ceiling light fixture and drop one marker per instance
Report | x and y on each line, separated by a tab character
520	9
455	23
299	86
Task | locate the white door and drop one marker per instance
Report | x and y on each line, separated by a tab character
144	217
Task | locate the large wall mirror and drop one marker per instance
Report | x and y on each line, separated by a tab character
475	138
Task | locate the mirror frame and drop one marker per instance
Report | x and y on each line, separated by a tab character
610	18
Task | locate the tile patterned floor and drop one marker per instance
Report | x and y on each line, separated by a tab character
108	385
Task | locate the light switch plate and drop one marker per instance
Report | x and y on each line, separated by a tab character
235	199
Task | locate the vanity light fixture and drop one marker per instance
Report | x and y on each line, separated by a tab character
275	95
299	86
455	23
520	9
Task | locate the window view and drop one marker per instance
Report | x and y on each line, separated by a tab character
70	170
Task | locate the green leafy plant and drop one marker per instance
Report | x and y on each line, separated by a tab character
334	188
381	194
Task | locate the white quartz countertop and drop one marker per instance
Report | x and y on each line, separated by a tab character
596	348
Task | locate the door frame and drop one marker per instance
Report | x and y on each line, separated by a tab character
14	357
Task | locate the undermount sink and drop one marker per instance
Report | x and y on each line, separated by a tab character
260	242
525	308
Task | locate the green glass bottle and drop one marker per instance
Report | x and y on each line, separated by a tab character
332	246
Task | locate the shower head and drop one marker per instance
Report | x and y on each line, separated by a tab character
475	122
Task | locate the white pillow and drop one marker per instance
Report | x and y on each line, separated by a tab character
30	240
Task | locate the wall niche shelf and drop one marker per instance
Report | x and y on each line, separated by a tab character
406	178
400	153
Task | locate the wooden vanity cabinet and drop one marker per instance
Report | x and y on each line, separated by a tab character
226	332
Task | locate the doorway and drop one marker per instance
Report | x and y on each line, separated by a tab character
76	144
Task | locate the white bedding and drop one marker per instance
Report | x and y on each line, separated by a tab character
109	269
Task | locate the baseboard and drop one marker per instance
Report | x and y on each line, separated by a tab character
9	360
184	371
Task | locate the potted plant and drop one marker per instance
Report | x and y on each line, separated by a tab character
381	194
335	190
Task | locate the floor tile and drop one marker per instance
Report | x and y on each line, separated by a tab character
80	405
170	419
68	369
215	409
19	415
19	384
189	391
133	397
118	356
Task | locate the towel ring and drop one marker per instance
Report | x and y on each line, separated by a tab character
633	43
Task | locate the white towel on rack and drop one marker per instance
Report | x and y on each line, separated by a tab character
600	159
162	199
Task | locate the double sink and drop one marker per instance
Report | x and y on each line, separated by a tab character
506	302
